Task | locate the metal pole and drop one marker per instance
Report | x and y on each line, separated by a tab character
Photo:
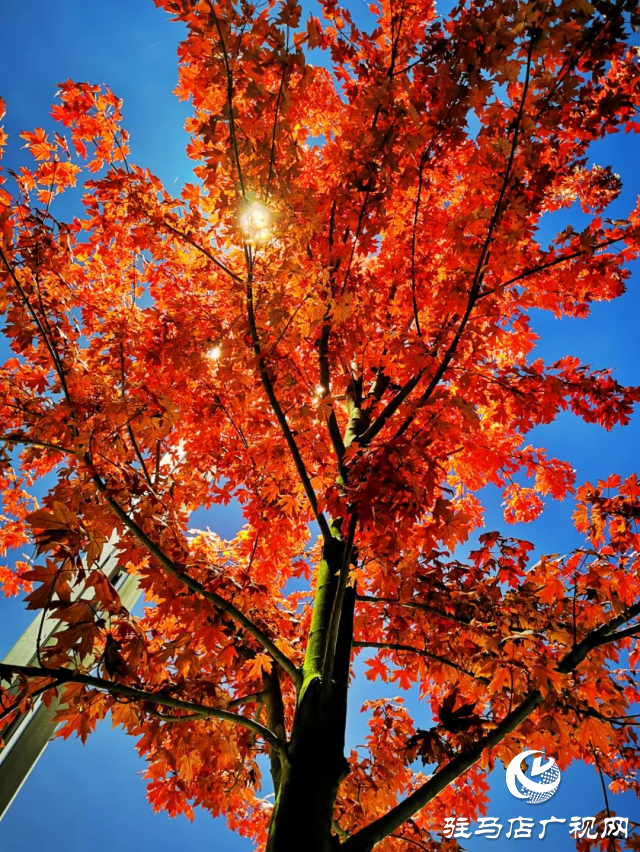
27	737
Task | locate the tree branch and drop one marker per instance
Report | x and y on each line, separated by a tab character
155	551
232	125
323	350
621	634
254	698
279	413
201	711
337	608
548	265
390	408
255	339
395	646
57	364
366	838
173	569
478	276
33	442
414	234
203	251
422	607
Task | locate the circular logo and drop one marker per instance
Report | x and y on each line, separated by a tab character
540	781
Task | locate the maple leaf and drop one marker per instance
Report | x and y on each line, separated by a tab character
457	718
125	714
258	666
377	669
403	677
552	590
500	680
38	144
593	733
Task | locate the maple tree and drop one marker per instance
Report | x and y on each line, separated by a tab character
332	327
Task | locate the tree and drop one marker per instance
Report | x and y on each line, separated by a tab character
332	328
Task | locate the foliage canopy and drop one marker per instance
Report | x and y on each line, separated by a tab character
330	326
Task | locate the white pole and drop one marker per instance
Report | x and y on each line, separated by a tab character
26	738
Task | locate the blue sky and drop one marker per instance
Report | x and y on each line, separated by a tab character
93	797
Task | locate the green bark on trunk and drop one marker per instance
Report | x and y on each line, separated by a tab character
309	781
315	763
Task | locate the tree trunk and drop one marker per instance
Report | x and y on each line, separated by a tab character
309	782
315	764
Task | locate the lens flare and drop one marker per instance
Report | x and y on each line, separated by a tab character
256	223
